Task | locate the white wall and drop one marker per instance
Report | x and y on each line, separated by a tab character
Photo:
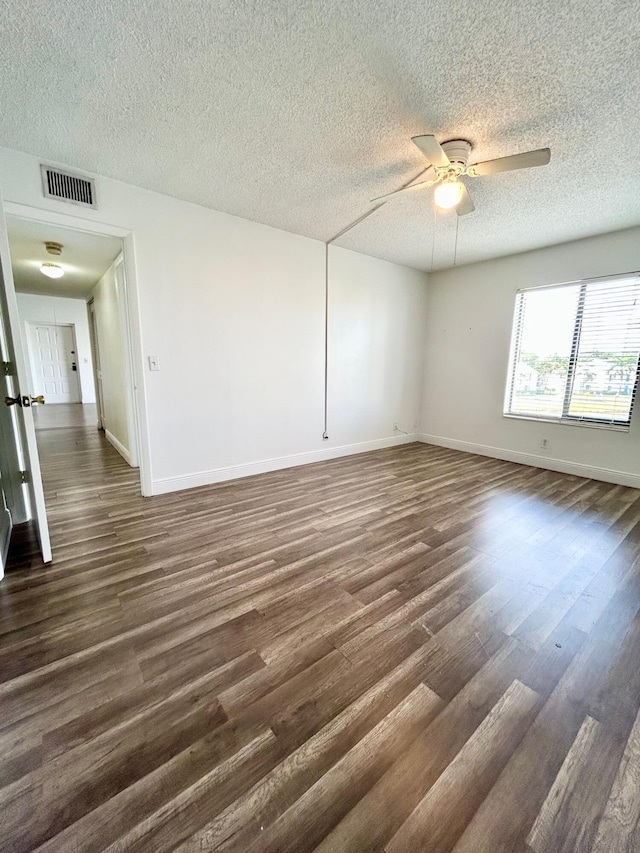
376	328
55	309
235	312
107	307
468	334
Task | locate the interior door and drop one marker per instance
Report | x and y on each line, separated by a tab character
54	362
19	435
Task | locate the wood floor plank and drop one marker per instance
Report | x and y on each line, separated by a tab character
240	823
324	803
569	817
619	827
398	792
440	818
196	778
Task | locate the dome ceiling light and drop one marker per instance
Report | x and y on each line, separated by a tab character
47	268
51	270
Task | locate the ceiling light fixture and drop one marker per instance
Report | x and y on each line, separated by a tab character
51	270
448	194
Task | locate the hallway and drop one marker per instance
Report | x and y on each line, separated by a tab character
80	471
64	416
412	649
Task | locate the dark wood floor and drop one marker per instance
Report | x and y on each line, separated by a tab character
409	650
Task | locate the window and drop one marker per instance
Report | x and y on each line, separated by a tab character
574	352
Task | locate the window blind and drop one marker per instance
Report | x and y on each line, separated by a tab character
575	352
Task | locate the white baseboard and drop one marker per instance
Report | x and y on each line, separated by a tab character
233	472
608	475
119	446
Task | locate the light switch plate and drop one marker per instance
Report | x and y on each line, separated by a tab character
154	362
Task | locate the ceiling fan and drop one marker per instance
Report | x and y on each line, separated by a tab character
448	163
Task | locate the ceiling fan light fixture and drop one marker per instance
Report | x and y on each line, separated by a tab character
448	194
51	270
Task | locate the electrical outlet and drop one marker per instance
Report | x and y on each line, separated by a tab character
544	444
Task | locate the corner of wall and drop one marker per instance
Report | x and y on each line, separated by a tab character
423	361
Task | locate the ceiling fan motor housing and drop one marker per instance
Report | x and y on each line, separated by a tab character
457	150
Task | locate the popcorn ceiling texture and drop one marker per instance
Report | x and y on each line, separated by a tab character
295	113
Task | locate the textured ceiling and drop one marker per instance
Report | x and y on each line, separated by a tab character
85	258
296	112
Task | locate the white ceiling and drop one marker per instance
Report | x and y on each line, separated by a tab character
85	258
296	112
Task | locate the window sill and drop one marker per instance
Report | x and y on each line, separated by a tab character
568	422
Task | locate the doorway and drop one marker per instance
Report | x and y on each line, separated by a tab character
75	331
20	470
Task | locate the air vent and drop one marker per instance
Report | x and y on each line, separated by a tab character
64	186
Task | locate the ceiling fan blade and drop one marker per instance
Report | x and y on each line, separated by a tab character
465	205
432	150
507	164
433	179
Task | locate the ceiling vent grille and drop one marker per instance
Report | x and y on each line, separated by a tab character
64	186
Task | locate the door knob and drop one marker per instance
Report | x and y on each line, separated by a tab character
38	399
13	401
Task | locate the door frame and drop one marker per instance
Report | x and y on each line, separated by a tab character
95	357
120	275
134	356
29	326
